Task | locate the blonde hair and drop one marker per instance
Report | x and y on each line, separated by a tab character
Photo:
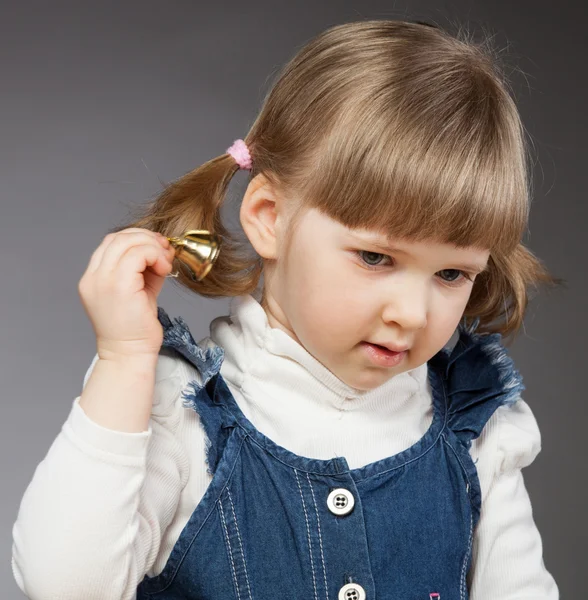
389	125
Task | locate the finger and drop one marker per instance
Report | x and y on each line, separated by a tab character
155	276
96	257
137	262
121	243
98	254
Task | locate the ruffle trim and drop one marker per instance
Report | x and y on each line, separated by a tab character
480	376
177	335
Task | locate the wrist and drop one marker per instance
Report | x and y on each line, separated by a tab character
119	393
132	362
129	368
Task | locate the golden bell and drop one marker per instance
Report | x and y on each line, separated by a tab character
197	249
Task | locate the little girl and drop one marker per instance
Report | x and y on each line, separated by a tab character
326	441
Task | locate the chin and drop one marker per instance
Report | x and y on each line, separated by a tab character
373	378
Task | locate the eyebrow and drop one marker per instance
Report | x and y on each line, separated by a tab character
475	267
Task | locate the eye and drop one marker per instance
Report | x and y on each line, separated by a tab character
462	277
371	256
371	261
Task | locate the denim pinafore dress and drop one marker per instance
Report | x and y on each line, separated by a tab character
274	525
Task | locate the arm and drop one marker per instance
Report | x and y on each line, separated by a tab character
507	561
86	528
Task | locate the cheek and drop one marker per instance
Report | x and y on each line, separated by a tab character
443	322
323	297
316	273
325	325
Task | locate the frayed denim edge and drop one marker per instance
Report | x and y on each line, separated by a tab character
189	401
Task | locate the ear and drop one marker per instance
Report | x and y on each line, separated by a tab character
262	216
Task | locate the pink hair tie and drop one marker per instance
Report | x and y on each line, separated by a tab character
240	153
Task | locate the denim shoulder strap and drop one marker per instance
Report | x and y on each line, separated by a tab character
479	376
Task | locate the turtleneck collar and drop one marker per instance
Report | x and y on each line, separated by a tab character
254	349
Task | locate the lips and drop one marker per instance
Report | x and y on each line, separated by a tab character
391	347
382	356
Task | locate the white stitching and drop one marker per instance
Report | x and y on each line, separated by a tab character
230	551
240	544
320	537
308	533
463	573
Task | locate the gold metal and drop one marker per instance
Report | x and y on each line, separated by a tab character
197	249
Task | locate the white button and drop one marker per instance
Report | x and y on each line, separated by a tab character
351	591
340	501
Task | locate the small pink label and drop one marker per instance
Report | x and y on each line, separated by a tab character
434	596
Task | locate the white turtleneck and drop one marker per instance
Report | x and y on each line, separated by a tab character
106	507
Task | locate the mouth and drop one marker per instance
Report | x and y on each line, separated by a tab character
390	347
382	355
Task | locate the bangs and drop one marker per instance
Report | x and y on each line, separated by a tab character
449	167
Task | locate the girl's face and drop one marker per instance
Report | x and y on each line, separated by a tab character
335	288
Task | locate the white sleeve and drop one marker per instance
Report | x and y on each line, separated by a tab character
507	559
89	525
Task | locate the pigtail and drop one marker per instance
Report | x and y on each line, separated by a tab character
194	201
501	294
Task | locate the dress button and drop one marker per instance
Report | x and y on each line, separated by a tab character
351	591
340	501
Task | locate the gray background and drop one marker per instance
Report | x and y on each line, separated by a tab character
104	101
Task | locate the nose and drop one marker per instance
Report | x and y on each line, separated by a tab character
407	305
